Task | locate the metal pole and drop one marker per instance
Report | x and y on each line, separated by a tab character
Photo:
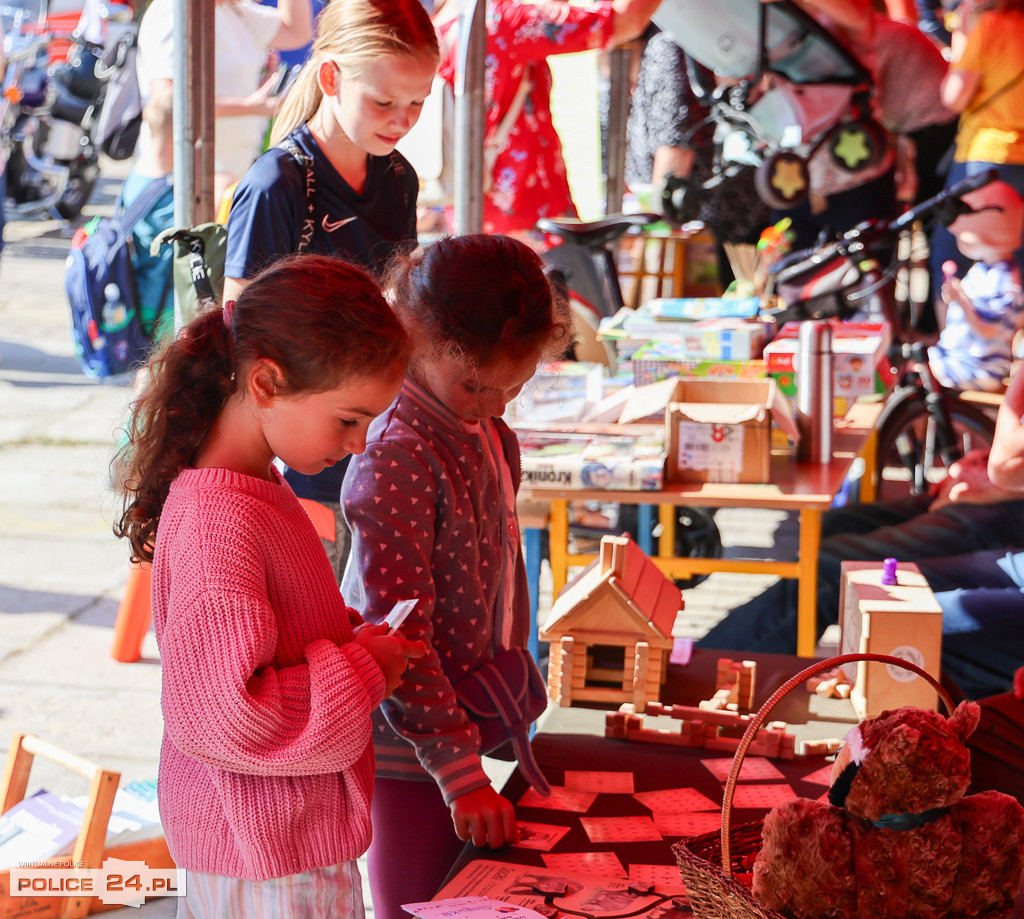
618	111
193	116
184	167
469	118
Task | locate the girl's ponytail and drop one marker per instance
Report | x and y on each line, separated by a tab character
300	104
190	379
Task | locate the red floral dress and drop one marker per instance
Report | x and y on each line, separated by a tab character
529	179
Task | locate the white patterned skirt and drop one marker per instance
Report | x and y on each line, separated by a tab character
334	891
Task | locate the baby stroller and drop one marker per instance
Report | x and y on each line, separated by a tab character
785	87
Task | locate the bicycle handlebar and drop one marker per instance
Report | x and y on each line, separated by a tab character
945	207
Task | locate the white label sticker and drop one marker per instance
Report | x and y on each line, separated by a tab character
713	448
905	653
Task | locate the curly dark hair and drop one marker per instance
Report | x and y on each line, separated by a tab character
320	319
480	297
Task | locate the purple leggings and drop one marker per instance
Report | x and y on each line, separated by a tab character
414	845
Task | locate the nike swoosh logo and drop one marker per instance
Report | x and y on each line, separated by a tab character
331	225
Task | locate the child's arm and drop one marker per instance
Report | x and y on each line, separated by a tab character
996	316
392	559
1006	458
227	701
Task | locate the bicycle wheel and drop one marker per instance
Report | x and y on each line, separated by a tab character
908	460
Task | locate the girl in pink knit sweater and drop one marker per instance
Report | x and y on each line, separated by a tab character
269	679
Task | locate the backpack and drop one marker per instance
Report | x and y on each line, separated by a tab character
116	130
106	325
199	251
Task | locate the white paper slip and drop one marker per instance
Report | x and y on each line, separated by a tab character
399	613
470	908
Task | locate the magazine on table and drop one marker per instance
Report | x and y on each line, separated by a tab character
607	462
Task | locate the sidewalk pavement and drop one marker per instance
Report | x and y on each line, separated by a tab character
62	571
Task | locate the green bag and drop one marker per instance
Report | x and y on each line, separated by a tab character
198	264
199	251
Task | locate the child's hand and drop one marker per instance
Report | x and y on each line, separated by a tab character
485	817
391	652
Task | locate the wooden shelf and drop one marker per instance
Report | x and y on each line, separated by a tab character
89	848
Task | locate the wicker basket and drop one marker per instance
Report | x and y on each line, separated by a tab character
710	862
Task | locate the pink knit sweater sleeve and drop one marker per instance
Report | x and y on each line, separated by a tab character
260	675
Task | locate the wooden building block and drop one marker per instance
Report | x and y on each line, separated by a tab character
901	620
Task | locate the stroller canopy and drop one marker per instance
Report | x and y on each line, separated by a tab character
725	36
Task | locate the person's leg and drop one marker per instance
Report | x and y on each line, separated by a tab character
982	618
941	244
866	532
3	194
414	845
767	622
866	517
955	530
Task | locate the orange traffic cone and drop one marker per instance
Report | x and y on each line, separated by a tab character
133	615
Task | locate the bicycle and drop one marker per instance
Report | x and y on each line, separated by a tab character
924	426
585	264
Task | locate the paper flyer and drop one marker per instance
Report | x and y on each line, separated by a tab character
568	892
469	908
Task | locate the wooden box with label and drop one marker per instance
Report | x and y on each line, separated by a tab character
901	620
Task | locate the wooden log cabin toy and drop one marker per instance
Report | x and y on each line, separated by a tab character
610	629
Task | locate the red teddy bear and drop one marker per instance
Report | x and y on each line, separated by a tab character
899	839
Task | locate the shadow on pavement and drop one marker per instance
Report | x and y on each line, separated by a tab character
16	356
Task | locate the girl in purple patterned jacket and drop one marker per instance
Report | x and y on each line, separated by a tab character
432	508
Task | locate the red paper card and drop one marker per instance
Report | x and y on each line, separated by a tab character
694	824
599	864
561	799
620	829
675	800
541	836
755	769
616	783
762	796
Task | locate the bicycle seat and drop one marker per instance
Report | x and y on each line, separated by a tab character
595	234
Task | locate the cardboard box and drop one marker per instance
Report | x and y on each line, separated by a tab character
720	430
660	360
860	364
902	620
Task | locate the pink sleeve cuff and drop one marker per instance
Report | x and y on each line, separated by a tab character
367	669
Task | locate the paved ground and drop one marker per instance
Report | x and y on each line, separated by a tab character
62	571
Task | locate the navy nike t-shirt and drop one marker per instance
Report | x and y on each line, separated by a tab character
268	213
268	210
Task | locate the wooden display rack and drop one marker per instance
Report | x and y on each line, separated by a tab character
89	847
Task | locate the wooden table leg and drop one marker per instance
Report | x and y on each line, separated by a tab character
558	544
667	539
869	453
807	608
